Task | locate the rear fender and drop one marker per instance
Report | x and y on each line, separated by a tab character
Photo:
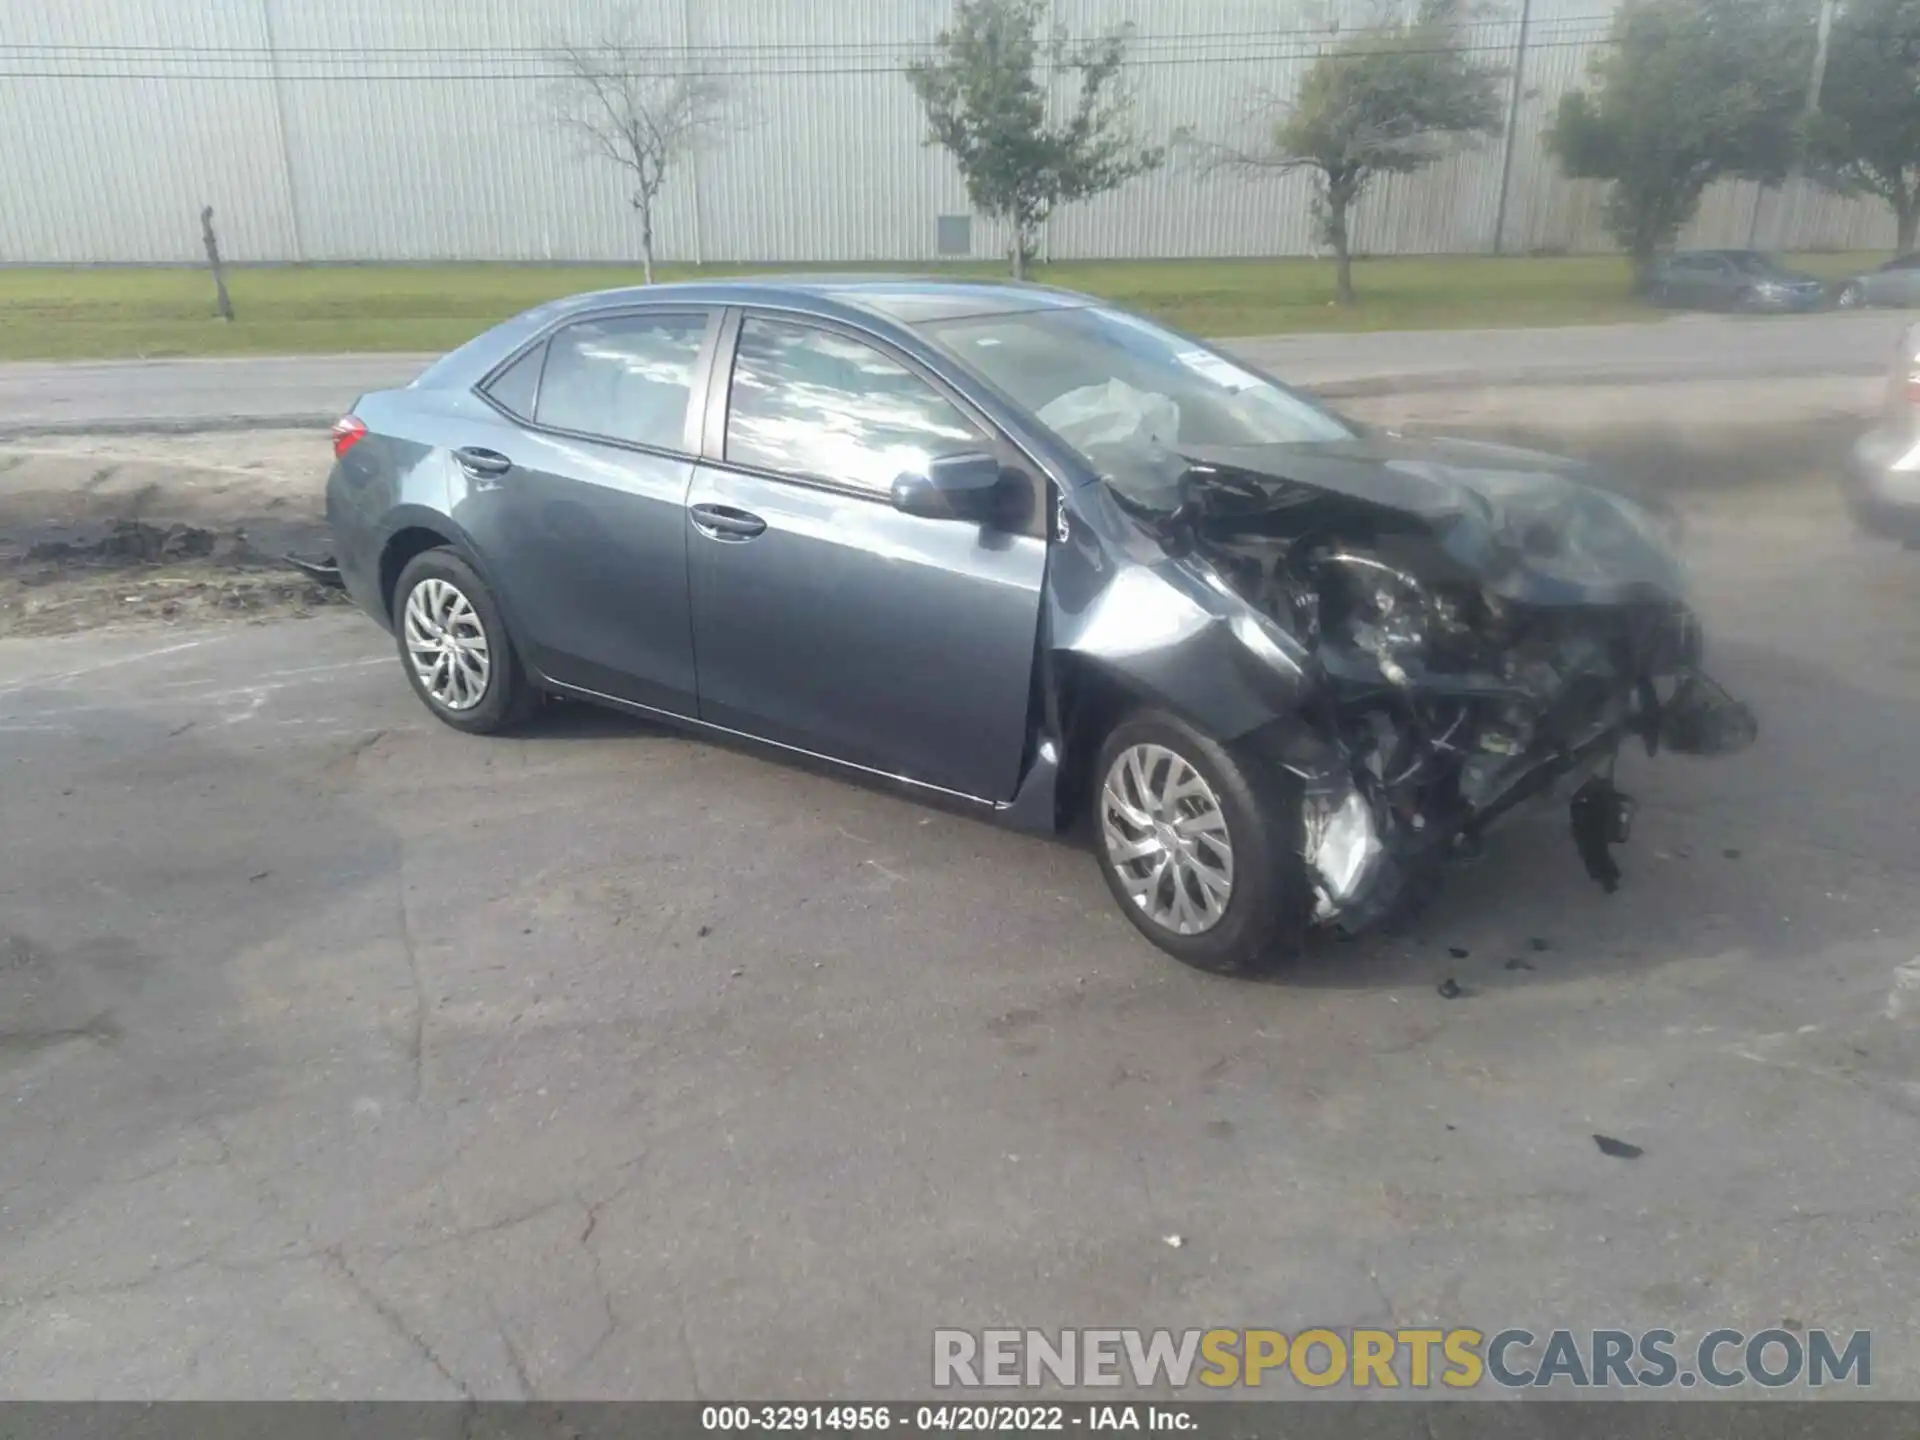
414	518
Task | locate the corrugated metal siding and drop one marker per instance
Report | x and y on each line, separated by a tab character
431	138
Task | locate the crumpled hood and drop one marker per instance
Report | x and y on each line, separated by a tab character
1529	526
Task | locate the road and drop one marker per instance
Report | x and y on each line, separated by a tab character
350	1057
307	390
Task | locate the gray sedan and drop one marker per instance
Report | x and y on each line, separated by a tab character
1040	559
1896	283
1744	280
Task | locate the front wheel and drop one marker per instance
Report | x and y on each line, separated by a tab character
1199	844
454	647
1852	296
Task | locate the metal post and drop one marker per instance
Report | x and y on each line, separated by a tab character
280	130
1513	119
1815	83
693	153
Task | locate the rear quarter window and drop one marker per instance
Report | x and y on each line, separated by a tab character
515	387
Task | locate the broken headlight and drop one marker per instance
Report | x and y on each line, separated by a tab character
1342	845
1384	611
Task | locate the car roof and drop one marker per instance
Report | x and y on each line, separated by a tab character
904	300
907	299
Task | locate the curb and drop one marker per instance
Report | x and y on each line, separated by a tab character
1365	387
1433	383
166	425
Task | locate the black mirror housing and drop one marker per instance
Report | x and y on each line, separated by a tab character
953	487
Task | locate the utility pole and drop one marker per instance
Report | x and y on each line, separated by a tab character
1819	77
1815	83
1513	119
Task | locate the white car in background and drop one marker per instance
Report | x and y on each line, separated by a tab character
1883	472
1896	284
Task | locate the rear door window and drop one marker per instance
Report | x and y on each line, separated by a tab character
623	377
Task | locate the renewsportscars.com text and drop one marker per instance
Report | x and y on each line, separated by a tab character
1418	1359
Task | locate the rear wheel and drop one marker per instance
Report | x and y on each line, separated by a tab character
1199	844
1852	295
454	648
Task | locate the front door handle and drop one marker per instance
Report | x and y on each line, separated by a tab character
723	522
488	463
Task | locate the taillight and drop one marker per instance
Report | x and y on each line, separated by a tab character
348	431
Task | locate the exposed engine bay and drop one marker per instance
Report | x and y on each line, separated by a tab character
1476	629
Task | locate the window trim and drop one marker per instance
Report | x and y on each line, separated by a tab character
484	387
713	452
699	382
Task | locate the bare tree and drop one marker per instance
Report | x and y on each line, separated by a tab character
644	108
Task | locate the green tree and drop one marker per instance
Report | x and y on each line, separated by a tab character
1865	140
1389	100
986	103
1687	92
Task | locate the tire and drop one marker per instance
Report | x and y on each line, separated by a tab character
481	699
1853	296
1241	801
1746	302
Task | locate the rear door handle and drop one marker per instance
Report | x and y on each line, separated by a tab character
483	462
723	522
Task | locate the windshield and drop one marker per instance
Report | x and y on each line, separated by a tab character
1128	396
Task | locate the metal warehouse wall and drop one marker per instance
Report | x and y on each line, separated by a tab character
363	130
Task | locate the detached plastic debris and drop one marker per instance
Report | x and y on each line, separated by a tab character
326	572
1618	1149
1602	818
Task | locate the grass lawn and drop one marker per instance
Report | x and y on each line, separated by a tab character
71	314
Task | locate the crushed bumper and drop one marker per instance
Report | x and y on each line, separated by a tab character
1365	864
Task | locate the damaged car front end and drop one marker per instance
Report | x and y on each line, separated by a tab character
1480	627
1418	635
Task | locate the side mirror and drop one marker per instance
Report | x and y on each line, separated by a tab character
953	487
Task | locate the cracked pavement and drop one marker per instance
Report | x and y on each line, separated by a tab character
342	1055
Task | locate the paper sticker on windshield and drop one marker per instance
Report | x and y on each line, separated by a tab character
1223	373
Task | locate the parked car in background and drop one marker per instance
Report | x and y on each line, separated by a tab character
1882	480
1896	283
1746	280
1042	557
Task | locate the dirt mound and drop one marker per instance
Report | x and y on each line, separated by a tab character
133	542
126	529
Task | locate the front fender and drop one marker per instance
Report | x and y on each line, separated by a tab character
1167	632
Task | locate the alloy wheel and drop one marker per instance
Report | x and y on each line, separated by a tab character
1167	839
1851	296
447	644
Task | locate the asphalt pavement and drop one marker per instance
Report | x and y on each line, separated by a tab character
347	1056
260	391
